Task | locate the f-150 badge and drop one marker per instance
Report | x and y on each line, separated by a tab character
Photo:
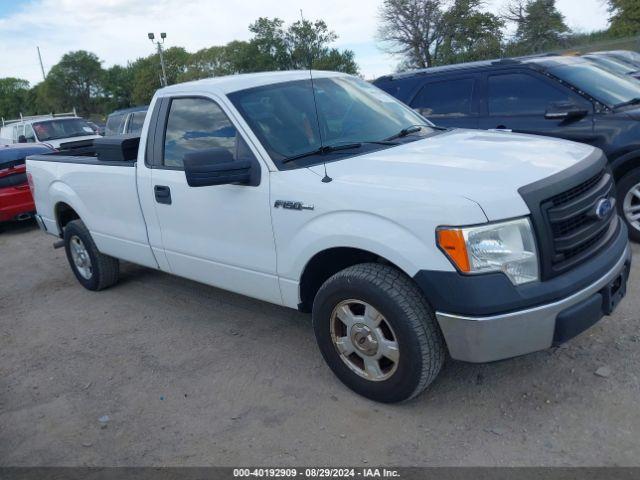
289	205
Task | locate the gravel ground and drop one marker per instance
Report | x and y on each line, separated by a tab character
163	371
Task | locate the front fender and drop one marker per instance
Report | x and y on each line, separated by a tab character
361	230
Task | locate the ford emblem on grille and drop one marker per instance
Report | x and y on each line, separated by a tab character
603	208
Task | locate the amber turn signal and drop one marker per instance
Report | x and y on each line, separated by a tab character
453	244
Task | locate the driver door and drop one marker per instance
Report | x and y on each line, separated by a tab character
220	235
518	101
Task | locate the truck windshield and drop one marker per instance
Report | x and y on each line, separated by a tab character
349	111
603	85
62	128
610	64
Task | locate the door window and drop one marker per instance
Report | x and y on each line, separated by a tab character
29	134
452	98
523	94
197	124
114	124
136	121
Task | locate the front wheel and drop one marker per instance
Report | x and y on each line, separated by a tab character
94	270
628	188
377	333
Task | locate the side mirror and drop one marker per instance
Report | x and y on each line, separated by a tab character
565	111
22	139
216	166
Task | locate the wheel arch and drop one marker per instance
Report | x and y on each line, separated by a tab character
327	263
64	213
67	205
625	163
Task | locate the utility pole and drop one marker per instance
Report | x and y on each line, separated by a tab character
163	80
44	77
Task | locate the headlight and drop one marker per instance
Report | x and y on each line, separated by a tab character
506	247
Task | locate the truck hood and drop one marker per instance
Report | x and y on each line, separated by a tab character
485	167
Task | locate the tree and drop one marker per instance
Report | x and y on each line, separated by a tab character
469	33
436	32
13	97
75	81
413	29
625	17
117	87
207	62
302	44
539	24
270	44
147	73
79	80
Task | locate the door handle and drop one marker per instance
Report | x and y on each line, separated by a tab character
163	194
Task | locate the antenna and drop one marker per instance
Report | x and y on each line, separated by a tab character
326	178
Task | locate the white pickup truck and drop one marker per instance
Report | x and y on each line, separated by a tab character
322	193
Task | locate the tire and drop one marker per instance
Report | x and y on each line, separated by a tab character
405	316
101	271
626	199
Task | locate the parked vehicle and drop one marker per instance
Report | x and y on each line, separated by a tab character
565	97
613	65
404	240
97	129
627	56
51	130
129	120
16	202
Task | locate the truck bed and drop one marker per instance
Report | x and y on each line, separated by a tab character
110	208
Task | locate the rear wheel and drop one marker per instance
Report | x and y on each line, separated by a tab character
377	332
628	188
94	270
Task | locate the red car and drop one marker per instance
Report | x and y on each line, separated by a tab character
16	202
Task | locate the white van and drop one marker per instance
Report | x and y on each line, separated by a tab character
51	130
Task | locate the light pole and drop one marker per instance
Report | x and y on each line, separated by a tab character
159	43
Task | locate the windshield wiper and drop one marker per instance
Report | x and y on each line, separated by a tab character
323	150
405	131
338	147
413	129
633	101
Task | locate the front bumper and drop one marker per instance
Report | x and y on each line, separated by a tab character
495	337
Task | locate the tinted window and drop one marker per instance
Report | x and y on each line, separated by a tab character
285	118
114	124
445	99
136	121
196	124
522	94
605	86
63	128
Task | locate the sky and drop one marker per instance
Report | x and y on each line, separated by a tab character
116	30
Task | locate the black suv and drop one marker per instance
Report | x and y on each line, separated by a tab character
565	97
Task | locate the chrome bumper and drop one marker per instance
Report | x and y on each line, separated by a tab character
496	337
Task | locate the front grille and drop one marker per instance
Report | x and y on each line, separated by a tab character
576	191
576	231
563	213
